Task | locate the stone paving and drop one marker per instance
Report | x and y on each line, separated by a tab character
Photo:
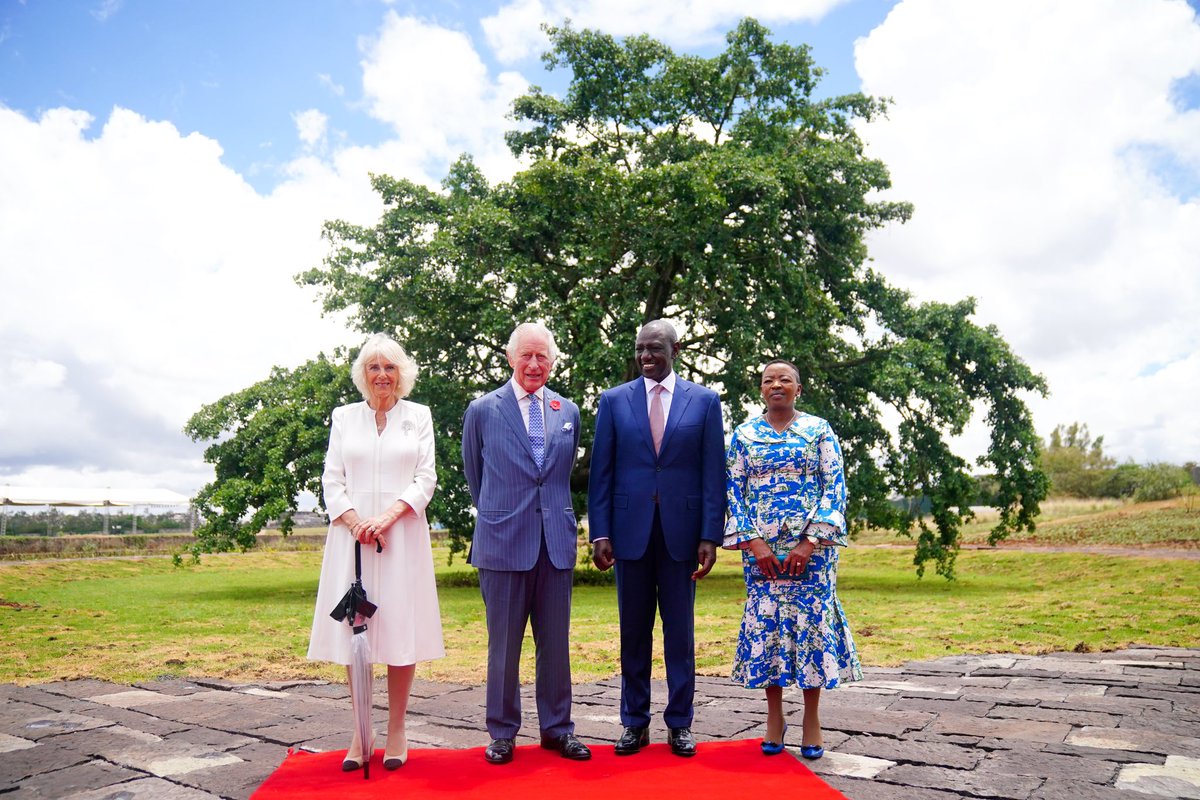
1102	726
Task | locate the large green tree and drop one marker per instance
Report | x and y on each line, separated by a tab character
720	193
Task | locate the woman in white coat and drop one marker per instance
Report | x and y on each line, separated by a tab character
379	477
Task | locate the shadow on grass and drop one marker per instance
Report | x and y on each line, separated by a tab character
280	592
909	586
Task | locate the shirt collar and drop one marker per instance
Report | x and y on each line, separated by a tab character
668	383
521	394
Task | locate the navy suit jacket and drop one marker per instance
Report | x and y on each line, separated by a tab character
515	502
686	479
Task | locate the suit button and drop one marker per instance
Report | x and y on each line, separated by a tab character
658	469
539	483
537	511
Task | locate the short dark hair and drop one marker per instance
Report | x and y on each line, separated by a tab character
665	327
795	370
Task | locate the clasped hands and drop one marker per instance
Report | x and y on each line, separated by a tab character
794	564
373	530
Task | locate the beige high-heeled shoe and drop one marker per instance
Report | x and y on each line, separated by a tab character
393	762
351	764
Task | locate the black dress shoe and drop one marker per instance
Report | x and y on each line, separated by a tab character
682	742
500	751
632	740
568	746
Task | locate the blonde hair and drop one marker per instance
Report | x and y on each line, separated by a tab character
382	346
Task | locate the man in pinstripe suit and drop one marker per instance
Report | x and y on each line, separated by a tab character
519	445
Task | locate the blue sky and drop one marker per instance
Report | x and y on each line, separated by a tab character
236	71
165	168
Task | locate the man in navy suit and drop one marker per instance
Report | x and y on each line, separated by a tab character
656	507
519	445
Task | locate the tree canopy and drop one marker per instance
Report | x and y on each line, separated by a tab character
720	193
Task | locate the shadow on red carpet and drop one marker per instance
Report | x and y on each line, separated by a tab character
720	770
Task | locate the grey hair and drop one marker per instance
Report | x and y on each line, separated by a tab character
531	327
382	346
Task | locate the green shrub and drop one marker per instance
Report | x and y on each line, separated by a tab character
1160	482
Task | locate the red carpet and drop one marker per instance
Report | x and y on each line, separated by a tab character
719	771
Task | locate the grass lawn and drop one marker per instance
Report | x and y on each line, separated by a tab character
1070	523
247	617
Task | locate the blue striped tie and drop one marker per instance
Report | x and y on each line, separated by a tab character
537	430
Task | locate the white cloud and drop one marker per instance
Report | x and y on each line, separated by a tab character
311	127
105	9
144	278
1021	133
514	33
155	275
430	85
34	373
327	81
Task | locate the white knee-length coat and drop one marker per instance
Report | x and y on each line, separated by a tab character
368	472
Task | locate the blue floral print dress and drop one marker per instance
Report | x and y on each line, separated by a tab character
780	486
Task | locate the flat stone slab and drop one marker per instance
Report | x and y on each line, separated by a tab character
914	752
1178	777
41	726
974	782
134	698
1019	729
144	789
1077	726
847	764
72	780
11	743
1133	739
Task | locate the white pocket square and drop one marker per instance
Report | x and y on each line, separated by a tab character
567	426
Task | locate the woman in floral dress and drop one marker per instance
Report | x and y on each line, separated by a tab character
787	514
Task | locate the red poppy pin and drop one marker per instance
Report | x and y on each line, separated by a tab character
555	405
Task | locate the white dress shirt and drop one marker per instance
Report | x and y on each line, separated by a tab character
523	402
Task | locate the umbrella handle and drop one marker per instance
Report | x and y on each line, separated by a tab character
358	557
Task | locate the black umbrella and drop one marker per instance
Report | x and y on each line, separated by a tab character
356	609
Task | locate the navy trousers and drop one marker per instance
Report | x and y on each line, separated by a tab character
657	581
540	596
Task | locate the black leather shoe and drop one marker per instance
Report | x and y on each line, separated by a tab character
632	740
568	746
682	742
500	751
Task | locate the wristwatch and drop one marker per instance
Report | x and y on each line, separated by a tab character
816	542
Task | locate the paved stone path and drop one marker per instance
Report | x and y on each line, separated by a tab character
1063	726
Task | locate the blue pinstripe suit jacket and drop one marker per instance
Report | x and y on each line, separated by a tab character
514	500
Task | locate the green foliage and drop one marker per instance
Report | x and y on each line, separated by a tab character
270	446
1077	467
718	193
55	522
1075	463
1161	482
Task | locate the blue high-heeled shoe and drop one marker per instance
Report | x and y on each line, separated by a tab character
812	751
774	748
